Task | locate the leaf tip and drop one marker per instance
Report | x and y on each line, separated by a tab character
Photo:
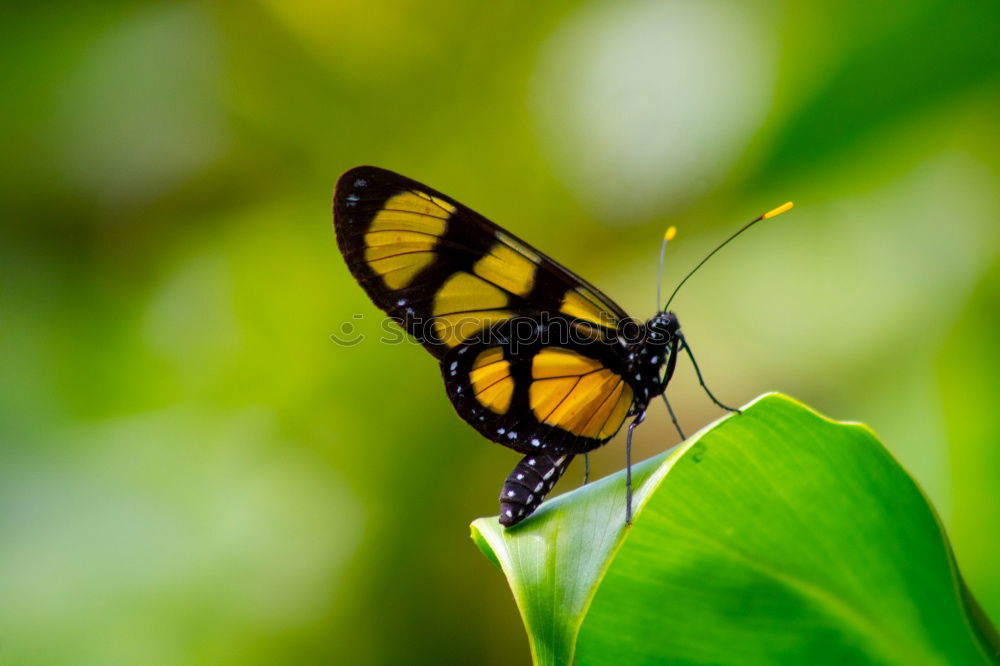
482	542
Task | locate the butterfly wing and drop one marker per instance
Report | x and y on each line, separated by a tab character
549	397
446	273
540	392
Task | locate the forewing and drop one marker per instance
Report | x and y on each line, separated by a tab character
448	274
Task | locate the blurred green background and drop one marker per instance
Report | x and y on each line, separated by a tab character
191	472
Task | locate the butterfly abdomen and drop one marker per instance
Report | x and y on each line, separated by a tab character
528	484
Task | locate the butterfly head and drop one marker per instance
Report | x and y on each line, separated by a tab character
662	329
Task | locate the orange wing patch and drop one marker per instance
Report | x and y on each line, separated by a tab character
400	241
546	395
578	394
581	303
507	269
464	306
467	293
413	211
491	380
454	329
556	362
622	402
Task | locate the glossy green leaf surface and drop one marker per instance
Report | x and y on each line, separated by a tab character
775	536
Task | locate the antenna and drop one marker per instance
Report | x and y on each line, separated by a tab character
769	214
667	237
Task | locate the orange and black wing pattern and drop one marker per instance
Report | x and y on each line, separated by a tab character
446	273
532	396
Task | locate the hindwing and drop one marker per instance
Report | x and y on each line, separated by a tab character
554	394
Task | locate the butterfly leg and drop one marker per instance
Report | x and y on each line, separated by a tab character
640	417
701	380
667	376
528	484
586	468
673	417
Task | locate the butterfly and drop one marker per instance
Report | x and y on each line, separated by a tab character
533	356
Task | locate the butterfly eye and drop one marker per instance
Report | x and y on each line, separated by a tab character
659	326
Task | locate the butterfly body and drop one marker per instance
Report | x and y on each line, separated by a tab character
533	357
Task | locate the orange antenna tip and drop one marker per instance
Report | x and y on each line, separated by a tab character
783	208
671	232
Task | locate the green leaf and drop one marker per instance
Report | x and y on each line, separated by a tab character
775	536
